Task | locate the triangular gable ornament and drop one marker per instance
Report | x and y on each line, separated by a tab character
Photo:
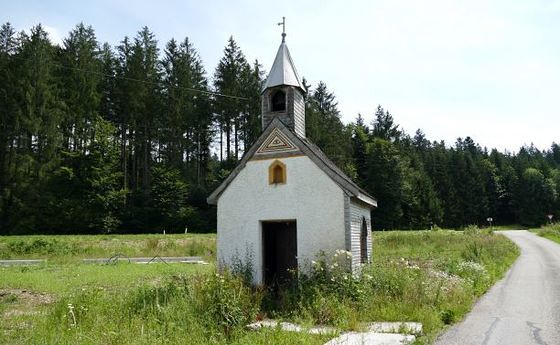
277	142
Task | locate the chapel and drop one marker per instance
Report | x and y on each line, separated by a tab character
286	202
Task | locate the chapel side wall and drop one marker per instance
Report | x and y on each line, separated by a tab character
357	212
309	196
299	112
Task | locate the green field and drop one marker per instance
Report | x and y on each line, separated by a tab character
431	277
552	232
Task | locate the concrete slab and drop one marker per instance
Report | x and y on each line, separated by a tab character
379	333
395	327
291	327
147	260
22	262
372	338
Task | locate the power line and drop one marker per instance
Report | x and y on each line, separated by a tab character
208	93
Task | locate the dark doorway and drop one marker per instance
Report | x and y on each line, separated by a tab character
279	251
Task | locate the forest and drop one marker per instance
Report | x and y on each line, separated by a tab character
132	138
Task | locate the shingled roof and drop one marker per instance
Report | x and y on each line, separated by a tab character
307	148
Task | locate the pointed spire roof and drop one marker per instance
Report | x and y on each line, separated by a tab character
283	71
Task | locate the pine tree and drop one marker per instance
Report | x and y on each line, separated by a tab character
8	119
252	83
79	78
385	182
186	123
107	84
324	127
227	81
384	127
359	148
536	197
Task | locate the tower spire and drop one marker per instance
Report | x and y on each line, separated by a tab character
283	23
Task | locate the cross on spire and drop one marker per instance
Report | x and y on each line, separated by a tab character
283	23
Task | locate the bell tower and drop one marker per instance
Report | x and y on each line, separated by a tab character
282	95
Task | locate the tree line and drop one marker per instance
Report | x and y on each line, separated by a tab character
131	138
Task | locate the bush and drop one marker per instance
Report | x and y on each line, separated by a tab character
471	230
448	316
40	246
551	231
224	301
150	300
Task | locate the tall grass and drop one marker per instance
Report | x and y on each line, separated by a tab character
194	309
551	231
74	248
432	277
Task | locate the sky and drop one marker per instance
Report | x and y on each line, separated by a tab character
485	69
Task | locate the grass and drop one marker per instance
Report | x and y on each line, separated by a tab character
62	279
431	277
459	266
73	248
551	231
509	227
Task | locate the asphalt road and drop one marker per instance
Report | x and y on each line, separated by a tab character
521	309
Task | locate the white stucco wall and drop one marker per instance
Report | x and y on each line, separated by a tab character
310	197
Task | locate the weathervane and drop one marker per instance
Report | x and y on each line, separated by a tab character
283	28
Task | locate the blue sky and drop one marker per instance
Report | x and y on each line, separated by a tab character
485	69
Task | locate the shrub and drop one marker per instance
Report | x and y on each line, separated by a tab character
149	300
475	273
152	244
40	246
390	280
224	301
471	230
448	316
326	308
244	268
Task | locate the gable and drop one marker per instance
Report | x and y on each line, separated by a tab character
278	141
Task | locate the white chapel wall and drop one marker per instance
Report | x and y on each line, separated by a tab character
309	196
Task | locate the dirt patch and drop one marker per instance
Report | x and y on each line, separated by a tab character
20	302
26	296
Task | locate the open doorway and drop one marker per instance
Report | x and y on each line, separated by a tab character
279	251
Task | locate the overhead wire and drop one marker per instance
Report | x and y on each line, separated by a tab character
208	93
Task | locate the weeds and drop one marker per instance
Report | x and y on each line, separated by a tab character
551	231
40	246
431	277
243	267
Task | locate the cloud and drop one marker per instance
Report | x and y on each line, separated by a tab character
54	34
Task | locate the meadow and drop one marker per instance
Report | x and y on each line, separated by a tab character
550	231
432	277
